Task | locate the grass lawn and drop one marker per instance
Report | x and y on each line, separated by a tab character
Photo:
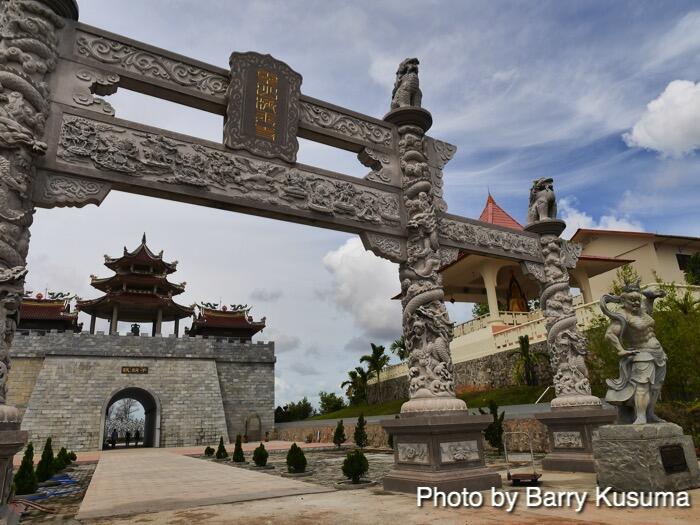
514	395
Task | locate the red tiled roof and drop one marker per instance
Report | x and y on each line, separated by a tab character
45	311
494	214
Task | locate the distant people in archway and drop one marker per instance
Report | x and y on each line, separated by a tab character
115	435
127	438
137	436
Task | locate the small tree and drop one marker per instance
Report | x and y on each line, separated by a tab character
72	456
624	274
61	460
221	450
355	465
44	470
330	402
260	456
296	460
339	434
525	368
479	309
360	432
376	362
238	456
25	478
494	432
209	452
398	348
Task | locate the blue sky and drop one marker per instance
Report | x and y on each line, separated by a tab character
600	95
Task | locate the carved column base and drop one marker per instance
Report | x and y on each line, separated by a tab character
442	451
570	433
547	227
410	116
12	440
420	405
645	458
576	402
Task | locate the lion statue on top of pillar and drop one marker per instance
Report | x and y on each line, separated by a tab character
543	202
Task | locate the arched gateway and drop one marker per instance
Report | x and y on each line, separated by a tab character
151	408
60	145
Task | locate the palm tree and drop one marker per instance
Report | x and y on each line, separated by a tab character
398	348
376	361
356	385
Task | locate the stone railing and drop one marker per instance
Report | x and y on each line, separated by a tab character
504	317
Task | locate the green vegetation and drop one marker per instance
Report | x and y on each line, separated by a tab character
221	450
339	434
398	348
360	435
514	395
692	270
294	411
260	456
624	274
330	402
479	309
209	452
494	432
25	478
296	460
61	460
356	385
238	456
376	362
355	465
44	470
525	369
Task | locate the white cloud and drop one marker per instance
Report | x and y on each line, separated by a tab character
683	38
576	219
265	295
671	122
363	285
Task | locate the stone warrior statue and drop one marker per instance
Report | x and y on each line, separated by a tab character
642	359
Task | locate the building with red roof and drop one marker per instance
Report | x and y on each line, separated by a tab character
231	322
40	314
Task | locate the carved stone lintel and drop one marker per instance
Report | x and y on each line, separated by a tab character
474	235
385	246
152	157
448	255
132	59
351	126
58	191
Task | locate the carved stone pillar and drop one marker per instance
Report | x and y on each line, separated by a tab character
436	442
575	412
28	54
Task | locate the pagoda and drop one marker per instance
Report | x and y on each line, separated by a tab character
138	292
39	314
225	322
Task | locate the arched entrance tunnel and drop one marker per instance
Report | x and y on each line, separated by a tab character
151	419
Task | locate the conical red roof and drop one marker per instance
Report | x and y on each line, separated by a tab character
494	214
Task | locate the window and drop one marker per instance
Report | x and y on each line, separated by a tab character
683	259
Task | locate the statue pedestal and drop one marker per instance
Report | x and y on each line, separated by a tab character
12	440
570	435
442	450
645	458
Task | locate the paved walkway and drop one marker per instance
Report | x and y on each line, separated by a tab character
153	480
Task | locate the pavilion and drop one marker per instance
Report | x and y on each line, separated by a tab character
226	322
138	292
43	314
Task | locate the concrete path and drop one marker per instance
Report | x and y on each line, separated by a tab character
153	480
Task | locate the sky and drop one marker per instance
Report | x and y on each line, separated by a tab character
602	96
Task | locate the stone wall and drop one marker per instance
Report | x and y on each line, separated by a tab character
488	372
321	431
205	388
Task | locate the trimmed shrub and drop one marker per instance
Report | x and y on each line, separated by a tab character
260	456
238	456
360	432
355	465
44	470
61	460
25	479
339	434
221	450
209	452
296	460
72	457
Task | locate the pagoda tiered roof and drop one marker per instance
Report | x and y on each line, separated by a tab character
138	290
232	322
39	313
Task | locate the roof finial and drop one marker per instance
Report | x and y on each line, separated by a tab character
143	239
